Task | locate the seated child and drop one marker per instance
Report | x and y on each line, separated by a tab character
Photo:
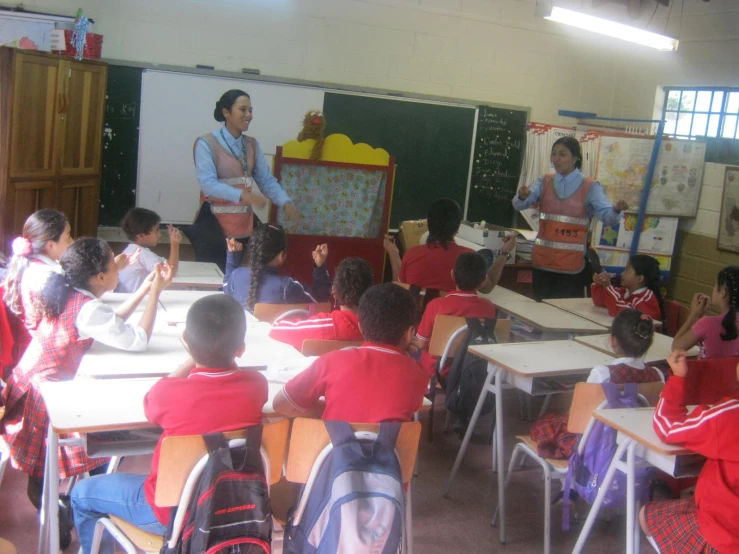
373	383
260	282
36	253
716	334
709	522
632	333
353	277
73	317
469	275
142	229
207	394
640	288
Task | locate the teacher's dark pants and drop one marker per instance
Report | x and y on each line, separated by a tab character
207	238
548	284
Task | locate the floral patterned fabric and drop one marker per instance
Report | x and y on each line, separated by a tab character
335	201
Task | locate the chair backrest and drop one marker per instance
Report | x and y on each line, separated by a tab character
317	347
446	325
179	455
424	295
588	396
309	437
270	312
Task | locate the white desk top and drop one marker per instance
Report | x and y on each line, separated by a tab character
176	303
636	423
198	274
584	308
543	359
501	296
543	316
659	351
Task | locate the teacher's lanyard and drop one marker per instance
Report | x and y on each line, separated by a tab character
243	161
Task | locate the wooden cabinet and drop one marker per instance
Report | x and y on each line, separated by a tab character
51	125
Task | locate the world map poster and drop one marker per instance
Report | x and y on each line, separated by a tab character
622	168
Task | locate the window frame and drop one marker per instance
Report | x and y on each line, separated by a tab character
722	114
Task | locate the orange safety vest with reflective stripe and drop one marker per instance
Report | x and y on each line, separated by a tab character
563	229
235	218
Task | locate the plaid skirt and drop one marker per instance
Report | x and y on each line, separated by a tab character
25	427
673	525
552	438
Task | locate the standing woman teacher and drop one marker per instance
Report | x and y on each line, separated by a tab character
227	165
567	201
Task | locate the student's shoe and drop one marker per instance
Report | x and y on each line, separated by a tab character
66	521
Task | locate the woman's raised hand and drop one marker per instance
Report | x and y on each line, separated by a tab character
320	254
291	213
524	192
234	245
620	206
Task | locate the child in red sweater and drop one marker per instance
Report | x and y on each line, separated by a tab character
353	277
710	521
639	289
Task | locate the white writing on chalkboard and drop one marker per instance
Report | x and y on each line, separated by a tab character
121	110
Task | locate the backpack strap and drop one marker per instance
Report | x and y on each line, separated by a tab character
613	393
340	432
388	434
217	445
253	457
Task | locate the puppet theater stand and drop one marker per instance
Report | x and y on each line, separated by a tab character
343	200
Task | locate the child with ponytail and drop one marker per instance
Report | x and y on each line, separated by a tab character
36	253
640	288
717	334
260	282
73	317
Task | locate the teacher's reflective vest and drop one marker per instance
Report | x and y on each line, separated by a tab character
563	229
236	218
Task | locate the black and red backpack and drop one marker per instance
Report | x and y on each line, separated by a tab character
229	511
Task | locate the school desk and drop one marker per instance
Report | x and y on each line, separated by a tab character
93	406
584	308
636	438
553	323
198	275
530	367
176	304
658	352
167	351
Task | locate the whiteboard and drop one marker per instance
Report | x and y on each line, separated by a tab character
177	108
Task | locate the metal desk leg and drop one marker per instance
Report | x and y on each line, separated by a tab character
595	508
49	532
630	500
492	370
500	449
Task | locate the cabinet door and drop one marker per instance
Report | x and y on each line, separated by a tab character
80	136
36	107
80	203
25	198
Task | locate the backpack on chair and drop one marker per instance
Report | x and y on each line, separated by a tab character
229	511
468	373
353	501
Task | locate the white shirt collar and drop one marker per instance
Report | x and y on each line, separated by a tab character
53	264
637	363
636	292
87	293
230	139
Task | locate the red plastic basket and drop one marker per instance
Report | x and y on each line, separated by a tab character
93	46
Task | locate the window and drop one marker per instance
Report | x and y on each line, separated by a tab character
701	112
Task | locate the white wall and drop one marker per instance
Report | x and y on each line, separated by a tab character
487	50
709	206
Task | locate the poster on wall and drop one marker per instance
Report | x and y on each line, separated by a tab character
728	228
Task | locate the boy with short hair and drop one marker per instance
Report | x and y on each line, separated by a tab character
373	383
142	229
469	274
206	394
709	522
353	277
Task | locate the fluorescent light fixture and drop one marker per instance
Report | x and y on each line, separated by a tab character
611	29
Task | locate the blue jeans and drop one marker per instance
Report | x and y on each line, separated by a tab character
117	494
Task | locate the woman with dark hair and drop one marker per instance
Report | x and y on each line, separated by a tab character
567	202
227	165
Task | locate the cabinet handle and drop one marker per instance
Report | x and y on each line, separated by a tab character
60	105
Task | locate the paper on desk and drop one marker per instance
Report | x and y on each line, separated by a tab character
281	371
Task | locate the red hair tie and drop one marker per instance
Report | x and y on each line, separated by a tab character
22	247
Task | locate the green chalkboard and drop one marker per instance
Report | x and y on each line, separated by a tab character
500	143
120	144
431	144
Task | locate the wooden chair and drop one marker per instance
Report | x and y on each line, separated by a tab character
587	398
6	547
447	337
422	296
182	459
272	312
317	347
309	439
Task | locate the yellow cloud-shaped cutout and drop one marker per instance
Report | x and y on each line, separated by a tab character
337	148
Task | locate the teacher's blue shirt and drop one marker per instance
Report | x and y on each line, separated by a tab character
205	170
596	203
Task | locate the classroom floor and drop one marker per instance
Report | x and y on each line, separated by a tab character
458	524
